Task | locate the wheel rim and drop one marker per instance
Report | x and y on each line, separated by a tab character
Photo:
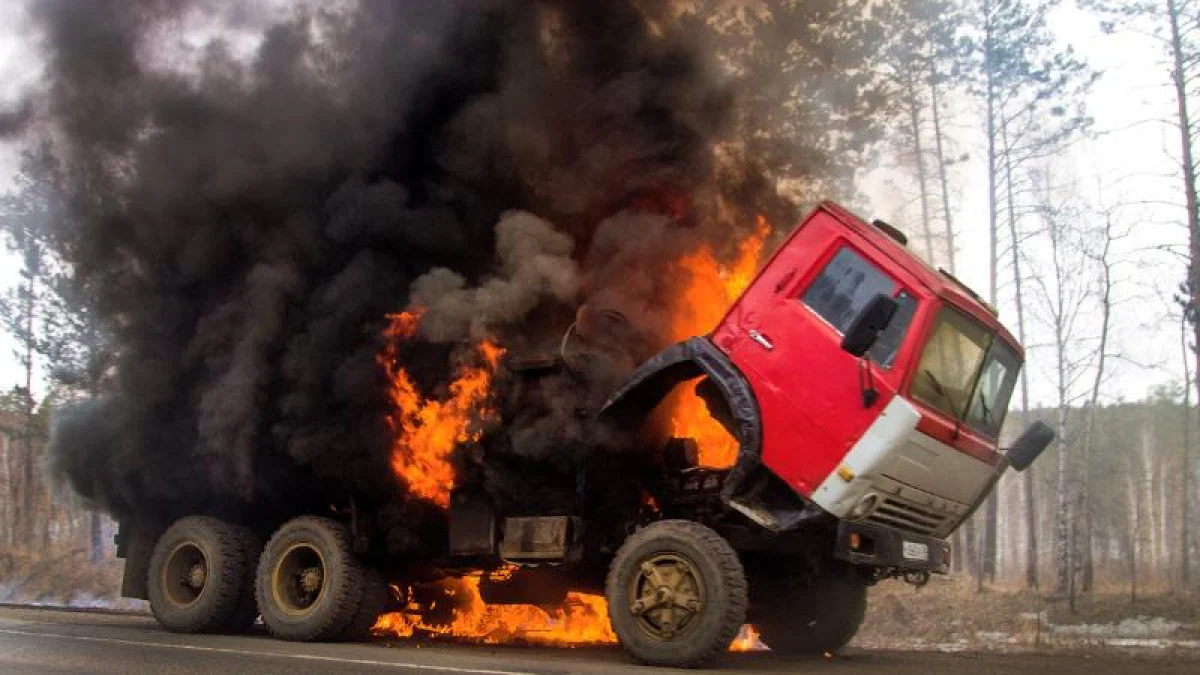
667	596
298	579
185	575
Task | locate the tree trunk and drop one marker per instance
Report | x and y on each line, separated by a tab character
993	216
943	178
1135	503
990	511
1185	545
1084	540
914	117
29	500
1031	568
1062	537
970	552
6	503
1063	576
97	538
1179	79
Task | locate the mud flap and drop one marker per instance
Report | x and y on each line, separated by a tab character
135	543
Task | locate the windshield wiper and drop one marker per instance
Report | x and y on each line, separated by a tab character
937	386
987	412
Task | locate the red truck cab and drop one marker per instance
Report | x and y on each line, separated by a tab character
906	437
861	384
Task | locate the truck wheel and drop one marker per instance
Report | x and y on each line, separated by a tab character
247	611
374	602
309	584
200	576
676	594
816	619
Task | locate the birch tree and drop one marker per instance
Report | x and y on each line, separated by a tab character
1031	90
1064	296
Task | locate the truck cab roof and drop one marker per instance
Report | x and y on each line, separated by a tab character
936	281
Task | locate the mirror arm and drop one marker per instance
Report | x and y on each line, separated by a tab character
866	382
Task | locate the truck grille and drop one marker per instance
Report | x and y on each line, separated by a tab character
904	516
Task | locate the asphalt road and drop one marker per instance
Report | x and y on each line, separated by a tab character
53	641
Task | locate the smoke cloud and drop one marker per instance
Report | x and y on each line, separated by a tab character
534	266
249	211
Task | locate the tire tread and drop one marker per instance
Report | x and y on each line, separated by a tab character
225	540
329	625
732	573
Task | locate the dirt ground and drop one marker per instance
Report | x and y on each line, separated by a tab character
948	614
68	579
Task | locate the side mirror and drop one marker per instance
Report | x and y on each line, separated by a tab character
1036	438
870	322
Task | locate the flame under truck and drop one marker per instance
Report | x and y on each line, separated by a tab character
866	392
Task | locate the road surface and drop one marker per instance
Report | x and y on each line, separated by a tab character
53	641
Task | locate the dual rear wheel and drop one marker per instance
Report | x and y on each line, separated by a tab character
201	576
311	587
210	576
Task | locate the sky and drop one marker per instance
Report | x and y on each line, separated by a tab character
1126	159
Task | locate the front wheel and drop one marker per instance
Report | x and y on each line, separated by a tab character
676	594
803	620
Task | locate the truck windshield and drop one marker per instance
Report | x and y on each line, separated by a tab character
966	372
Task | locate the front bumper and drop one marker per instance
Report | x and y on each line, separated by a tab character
865	544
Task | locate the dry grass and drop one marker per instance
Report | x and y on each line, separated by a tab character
949	610
64	579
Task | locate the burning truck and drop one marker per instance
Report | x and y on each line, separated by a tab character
831	431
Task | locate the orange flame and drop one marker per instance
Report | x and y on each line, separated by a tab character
748	640
427	430
712	287
583	619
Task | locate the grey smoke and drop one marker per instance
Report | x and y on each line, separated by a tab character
534	266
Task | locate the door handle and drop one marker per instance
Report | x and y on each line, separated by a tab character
761	340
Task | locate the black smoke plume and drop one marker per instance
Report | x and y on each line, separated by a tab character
248	209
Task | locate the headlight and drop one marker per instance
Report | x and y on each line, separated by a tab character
864	507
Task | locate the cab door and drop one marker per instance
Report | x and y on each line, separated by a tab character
810	392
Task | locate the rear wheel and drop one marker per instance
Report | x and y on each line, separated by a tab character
310	584
820	617
676	594
374	602
200	577
247	611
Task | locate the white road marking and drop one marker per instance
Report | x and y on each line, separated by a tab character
243	652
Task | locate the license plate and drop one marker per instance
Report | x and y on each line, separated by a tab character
916	551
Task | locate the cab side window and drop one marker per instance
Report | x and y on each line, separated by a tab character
845	286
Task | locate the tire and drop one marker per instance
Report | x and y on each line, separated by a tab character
374	602
200	576
810	620
696	618
309	584
247	611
